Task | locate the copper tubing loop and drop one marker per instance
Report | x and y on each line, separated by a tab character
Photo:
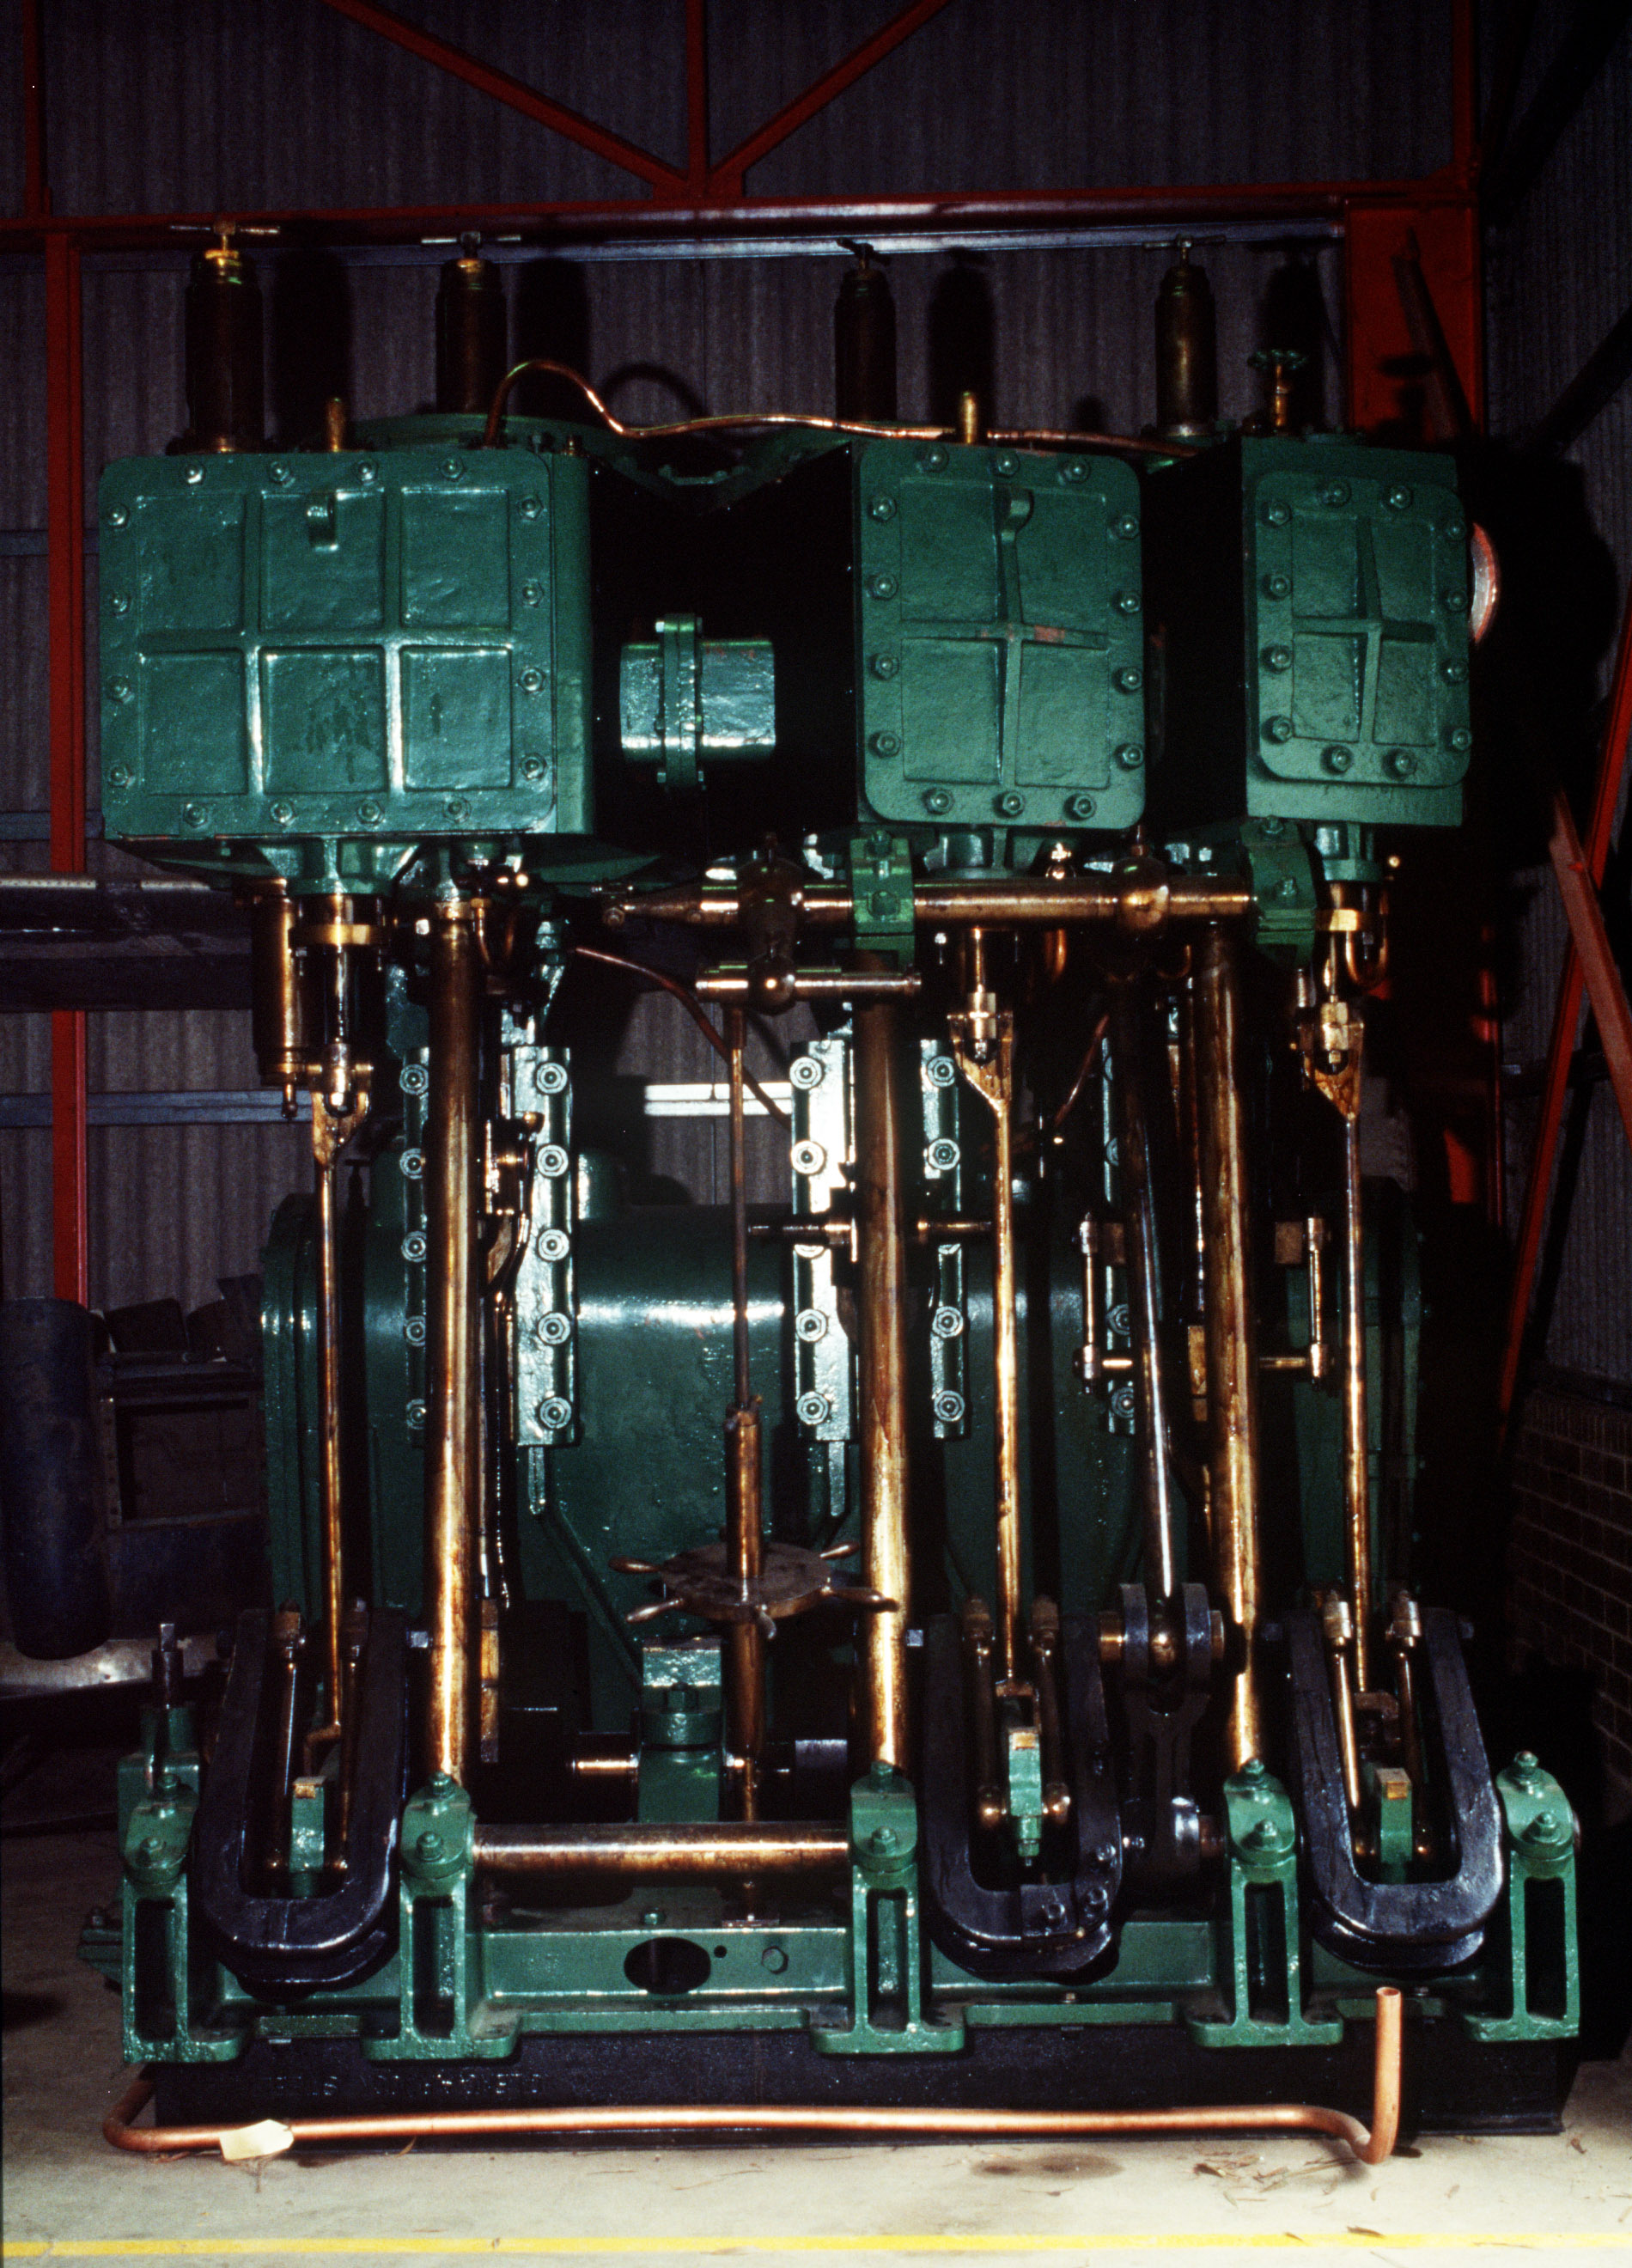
881	1255
452	1463
1231	1325
1140	904
1371	2146
696	1851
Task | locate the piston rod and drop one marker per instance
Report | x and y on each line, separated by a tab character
881	1253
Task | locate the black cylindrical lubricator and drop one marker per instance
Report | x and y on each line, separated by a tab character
470	335
56	1571
1187	353
224	383
863	343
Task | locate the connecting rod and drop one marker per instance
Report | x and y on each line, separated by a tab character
881	1252
452	1435
1231	1324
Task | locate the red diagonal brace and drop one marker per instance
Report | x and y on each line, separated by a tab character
1591	940
66	604
502	88
726	181
1566	1019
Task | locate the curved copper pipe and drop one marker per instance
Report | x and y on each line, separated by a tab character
694	1009
1370	2145
732	420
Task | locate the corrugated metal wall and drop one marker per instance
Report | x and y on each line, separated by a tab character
185	104
1559	276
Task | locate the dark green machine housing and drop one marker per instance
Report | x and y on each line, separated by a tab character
572	667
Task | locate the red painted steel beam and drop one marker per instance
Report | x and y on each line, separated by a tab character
1566	1021
66	614
1443	236
1591	938
36	196
499	85
727	176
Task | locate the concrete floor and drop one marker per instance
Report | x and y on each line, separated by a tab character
68	2195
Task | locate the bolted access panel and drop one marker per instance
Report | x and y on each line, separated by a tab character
384	647
1000	660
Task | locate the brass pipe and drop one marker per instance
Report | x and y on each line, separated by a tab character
1337	1628
881	1256
735	1041
993	1080
1142	903
1314	1246
452	1466
279	1021
697	1852
1371	2146
1356	1440
990	1802
1134	1168
1231	1332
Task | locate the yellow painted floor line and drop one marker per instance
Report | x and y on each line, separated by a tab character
1100	2240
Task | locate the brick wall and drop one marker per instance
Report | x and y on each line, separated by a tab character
1571	1552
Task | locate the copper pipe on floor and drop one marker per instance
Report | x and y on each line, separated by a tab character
881	1255
1371	2146
452	1462
1230	1331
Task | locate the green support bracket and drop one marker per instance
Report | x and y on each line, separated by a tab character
1283	887
1261	1836
1539	1840
881	882
439	2013
886	1967
682	1721
159	1798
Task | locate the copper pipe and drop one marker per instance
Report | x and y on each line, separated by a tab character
696	1851
1231	1328
1140	902
1133	1169
452	1467
881	1257
993	1081
1357	1427
689	1002
736	1039
1371	2146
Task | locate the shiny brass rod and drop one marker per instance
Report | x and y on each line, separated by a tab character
1141	904
1006	1369
1357	1432
696	1851
735	1041
452	1467
330	1482
1231	1325
1134	1168
1371	2146
881	1255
